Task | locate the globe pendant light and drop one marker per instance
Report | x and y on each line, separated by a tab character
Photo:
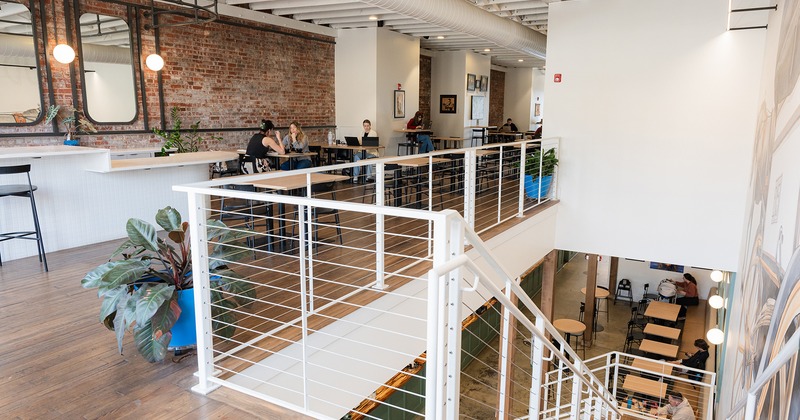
63	53
154	62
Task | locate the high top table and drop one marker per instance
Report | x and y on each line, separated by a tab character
663	310
599	295
661	349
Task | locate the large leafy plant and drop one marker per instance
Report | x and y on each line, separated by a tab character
74	121
547	160
182	141
140	290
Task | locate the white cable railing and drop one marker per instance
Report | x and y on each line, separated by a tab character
778	366
336	322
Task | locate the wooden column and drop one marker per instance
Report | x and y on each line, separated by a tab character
612	277
591	284
548	284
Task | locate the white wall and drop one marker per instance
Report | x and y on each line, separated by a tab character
446	67
397	62
356	57
536	97
518	102
19	85
110	94
655	115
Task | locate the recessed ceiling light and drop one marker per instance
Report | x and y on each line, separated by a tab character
373	17
487	50
520	60
440	37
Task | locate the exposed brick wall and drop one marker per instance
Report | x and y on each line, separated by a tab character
425	85
227	75
497	85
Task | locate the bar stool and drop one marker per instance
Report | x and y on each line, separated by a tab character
22	190
571	328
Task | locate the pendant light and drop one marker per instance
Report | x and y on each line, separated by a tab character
63	53
154	62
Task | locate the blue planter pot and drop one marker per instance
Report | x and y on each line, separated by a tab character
73	142
184	333
532	186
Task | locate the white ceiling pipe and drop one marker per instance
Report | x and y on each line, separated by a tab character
461	16
22	46
12	9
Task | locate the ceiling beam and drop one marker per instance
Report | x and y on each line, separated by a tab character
313	9
282	4
364	11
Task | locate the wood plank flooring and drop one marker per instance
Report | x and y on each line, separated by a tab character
57	360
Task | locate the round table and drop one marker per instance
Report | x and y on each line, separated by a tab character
571	327
599	294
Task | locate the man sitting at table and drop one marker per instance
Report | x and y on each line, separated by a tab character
678	407
368	132
509	126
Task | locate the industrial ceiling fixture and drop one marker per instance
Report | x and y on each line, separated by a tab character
63	53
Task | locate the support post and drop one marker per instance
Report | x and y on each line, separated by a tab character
591	284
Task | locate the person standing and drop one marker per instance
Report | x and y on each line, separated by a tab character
263	142
417	123
368	132
296	141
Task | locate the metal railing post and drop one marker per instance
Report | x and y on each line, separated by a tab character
380	220
521	203
469	187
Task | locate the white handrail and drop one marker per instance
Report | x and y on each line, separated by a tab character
788	351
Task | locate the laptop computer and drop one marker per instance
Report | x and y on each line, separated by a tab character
352	141
371	142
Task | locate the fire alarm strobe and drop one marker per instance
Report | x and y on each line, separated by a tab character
557	77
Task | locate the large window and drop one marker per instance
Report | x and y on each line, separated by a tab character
21	97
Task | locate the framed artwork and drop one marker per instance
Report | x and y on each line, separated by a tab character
470	82
484	83
478	83
399	104
477	108
537	110
666	267
447	104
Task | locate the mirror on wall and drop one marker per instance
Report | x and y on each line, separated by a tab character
110	92
21	97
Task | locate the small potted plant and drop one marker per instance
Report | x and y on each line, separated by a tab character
178	142
74	122
149	291
537	185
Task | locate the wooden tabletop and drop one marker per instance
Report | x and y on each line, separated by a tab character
598	293
645	386
292	182
653	366
662	331
569	326
481	126
450	138
484	152
663	349
175	159
662	310
290	155
415	130
348	147
417	162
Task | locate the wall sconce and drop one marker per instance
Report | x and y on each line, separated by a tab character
715	336
154	62
716	275
716	301
63	53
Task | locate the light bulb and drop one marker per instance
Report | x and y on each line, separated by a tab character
63	53
154	62
716	275
715	336
716	301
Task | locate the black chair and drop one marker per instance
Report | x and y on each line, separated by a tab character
624	291
246	211
26	191
324	190
638	319
649	296
389	184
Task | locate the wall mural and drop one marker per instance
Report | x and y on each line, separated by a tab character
768	289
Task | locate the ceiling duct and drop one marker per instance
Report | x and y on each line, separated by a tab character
461	16
22	46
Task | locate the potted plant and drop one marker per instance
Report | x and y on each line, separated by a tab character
177	142
73	121
149	291
537	185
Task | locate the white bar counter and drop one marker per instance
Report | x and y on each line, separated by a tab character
85	197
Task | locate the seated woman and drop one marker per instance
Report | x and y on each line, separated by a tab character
687	291
296	141
264	141
424	140
696	360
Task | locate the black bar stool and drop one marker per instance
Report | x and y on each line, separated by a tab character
22	190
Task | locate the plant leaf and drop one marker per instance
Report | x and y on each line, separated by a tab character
123	317
149	299
151	348
143	234
169	219
243	293
223	319
126	272
125	245
110	302
96	277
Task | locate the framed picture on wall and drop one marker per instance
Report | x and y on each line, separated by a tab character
666	267
447	104
484	83
470	82
399	104
478	83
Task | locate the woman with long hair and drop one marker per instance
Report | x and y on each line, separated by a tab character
296	141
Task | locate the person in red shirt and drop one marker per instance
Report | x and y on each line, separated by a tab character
424	140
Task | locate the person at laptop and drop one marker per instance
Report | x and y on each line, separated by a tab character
368	132
296	141
509	126
264	141
424	140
